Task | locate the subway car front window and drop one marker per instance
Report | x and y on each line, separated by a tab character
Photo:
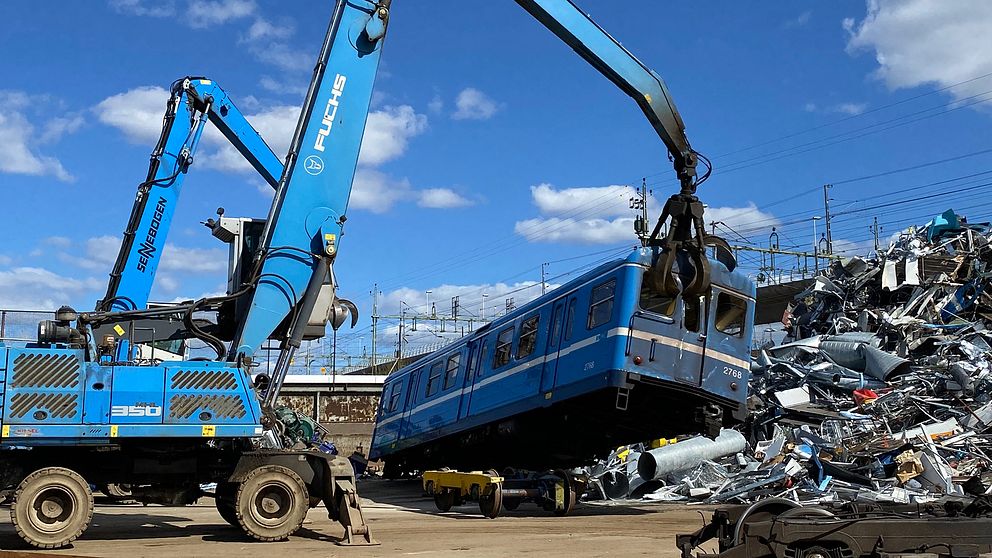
730	313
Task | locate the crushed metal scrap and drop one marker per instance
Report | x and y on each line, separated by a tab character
881	392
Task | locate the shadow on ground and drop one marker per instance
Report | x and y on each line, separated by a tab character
409	495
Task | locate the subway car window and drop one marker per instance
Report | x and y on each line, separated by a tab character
482	358
394	396
528	337
434	379
556	327
501	355
730	312
569	319
601	304
452	372
412	389
693	310
654	302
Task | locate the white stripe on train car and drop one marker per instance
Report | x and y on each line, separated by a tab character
680	344
581	344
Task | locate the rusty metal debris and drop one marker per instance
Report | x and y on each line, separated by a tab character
880	392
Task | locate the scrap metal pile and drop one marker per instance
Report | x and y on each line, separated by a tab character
881	390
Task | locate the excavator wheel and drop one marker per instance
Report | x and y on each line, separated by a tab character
52	507
271	503
224	499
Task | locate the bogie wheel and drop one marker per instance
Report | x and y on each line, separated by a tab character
117	492
224	499
568	497
491	499
511	504
52	507
271	503
444	499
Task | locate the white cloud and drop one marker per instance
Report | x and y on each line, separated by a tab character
850	108
60	126
595	215
918	42
441	198
602	215
100	252
178	259
842	108
740	218
850	248
800	21
151	8
284	86
137	113
436	105
377	191
388	132
19	141
59	241
608	201
470	299
207	13
284	57
576	231
35	288
5	260
472	104
264	29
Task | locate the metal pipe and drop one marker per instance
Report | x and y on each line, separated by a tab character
684	455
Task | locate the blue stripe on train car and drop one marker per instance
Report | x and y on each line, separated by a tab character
554	363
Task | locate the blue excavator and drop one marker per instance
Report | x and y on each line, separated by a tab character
92	403
103	397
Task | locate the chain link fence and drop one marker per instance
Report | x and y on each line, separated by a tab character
22	325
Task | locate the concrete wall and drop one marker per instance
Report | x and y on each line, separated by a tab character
349	417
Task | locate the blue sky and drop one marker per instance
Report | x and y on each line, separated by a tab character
492	148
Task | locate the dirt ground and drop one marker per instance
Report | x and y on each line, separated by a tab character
402	520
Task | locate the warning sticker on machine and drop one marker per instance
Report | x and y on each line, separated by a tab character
209	430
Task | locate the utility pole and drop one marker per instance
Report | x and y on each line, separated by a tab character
640	202
399	335
875	230
375	319
826	217
544	284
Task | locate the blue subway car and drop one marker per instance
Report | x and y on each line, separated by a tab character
601	361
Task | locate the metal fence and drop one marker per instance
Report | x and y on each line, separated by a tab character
22	325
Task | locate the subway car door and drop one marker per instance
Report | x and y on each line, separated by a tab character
726	363
406	428
549	370
689	366
465	399
478	354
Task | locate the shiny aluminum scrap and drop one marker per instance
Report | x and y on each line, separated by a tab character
880	392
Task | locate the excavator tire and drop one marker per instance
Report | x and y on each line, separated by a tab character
52	507
271	503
